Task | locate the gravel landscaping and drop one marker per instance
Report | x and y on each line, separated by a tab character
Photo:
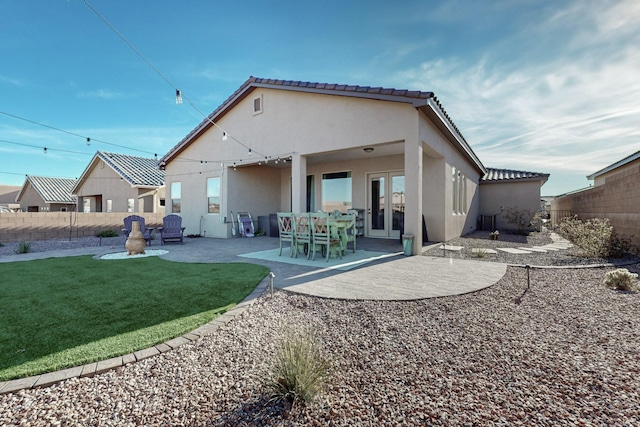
565	351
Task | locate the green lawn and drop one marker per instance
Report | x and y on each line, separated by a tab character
61	312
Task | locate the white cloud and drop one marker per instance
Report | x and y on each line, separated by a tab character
102	94
574	111
11	81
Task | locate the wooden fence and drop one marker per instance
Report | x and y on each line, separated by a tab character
30	226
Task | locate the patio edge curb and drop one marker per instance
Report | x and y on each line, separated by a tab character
91	369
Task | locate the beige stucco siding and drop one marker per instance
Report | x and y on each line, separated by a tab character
30	197
497	197
309	129
102	181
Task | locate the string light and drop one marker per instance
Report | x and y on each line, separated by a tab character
249	153
88	141
179	94
86	138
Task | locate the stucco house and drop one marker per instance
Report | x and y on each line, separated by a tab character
277	145
8	194
45	194
115	182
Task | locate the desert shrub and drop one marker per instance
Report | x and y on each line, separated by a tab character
521	219
480	253
106	233
620	279
299	370
23	247
596	237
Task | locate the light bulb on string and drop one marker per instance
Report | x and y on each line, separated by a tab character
45	150
178	96
88	141
249	153
224	136
266	160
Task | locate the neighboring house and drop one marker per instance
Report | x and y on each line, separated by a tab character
504	190
44	194
8	194
278	145
615	195
119	183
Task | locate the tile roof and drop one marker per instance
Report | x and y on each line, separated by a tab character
417	98
504	175
137	171
52	190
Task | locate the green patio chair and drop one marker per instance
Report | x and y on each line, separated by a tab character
286	230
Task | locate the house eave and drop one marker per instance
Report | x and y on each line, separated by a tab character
635	156
434	112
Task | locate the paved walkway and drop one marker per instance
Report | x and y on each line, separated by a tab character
394	277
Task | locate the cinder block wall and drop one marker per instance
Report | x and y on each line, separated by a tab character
32	226
617	199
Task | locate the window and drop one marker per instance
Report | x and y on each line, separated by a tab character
257	105
459	193
130	205
109	205
213	195
176	194
336	191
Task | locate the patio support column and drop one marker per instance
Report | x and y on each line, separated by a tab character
298	183
413	171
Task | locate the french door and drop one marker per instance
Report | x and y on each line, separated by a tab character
385	204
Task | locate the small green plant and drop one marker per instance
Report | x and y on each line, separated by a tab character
299	371
480	253
106	233
260	232
621	279
23	247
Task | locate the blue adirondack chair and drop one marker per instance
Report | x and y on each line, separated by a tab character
172	229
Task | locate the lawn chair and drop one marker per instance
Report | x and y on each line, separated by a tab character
172	229
146	232
245	224
286	230
351	229
322	235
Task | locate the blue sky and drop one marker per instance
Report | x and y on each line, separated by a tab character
546	86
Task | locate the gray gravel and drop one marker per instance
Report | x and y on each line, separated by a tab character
567	354
9	248
480	239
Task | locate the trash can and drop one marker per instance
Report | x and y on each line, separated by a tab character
407	244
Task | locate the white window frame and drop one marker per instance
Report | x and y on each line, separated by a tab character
260	100
211	194
176	187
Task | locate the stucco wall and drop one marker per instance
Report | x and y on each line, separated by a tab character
103	182
617	199
495	198
301	125
30	197
16	226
